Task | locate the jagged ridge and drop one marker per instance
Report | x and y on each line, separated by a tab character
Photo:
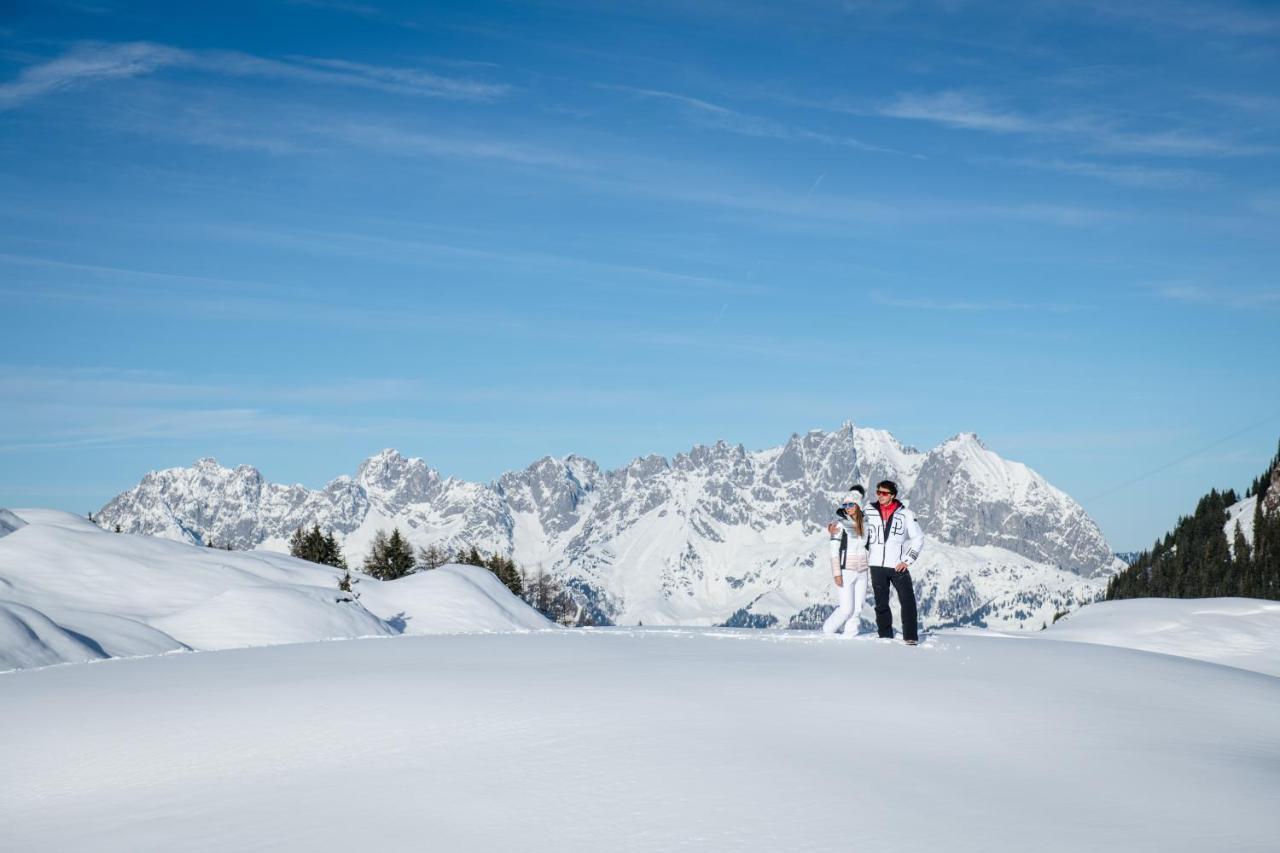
696	538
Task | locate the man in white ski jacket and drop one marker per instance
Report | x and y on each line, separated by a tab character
895	540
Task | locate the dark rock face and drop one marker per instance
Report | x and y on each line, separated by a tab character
1271	502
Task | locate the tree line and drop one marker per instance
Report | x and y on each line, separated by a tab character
391	557
1200	558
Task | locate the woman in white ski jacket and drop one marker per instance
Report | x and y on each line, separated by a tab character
848	547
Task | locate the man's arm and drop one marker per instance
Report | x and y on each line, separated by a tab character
915	541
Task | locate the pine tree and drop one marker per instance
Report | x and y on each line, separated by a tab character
330	553
1263	482
316	547
391	557
506	571
117	528
1195	559
346	585
298	544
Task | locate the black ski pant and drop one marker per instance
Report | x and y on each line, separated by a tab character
881	578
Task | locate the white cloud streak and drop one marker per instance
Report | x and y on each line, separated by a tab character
715	116
972	111
84	65
93	63
1220	18
970	306
1121	174
1223	297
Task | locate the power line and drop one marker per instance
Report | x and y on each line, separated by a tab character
1182	459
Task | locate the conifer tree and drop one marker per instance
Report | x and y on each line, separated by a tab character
346	584
506	570
390	557
316	547
298	544
1197	559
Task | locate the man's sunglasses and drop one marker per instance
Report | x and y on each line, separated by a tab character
883	492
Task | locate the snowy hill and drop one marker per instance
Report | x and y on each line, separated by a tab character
714	534
1239	632
70	591
643	740
9	522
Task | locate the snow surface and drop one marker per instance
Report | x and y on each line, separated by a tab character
1240	514
1239	632
70	591
9	522
642	740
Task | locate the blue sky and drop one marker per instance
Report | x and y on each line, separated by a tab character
291	234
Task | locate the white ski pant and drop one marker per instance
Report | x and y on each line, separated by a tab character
851	596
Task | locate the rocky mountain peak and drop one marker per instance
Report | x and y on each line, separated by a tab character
698	537
391	479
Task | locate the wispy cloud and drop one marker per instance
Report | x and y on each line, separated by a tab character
87	64
1220	18
119	386
400	81
961	110
970	306
1121	174
780	211
1225	297
719	117
401	141
604	275
973	111
82	407
93	62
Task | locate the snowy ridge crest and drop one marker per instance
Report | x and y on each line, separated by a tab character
715	531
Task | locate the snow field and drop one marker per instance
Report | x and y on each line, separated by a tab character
71	592
638	740
1239	632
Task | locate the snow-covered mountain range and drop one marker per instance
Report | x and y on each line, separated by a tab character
718	534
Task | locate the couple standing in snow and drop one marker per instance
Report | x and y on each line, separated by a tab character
880	539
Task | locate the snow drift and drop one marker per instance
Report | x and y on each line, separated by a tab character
1239	632
70	591
643	740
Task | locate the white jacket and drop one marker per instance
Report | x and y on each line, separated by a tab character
902	542
848	549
